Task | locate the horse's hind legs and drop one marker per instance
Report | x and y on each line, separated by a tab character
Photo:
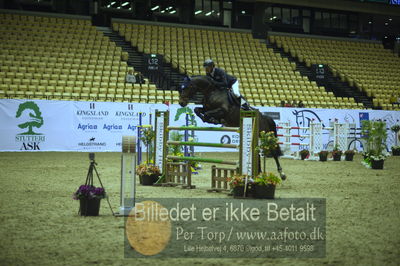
280	171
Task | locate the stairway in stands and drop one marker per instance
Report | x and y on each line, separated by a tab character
331	84
169	79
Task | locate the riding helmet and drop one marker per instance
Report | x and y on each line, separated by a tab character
208	62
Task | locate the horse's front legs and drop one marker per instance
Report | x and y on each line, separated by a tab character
200	113
215	116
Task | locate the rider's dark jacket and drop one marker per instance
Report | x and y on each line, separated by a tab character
221	79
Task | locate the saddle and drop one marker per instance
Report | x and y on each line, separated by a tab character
236	101
233	100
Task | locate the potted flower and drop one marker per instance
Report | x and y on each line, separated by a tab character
336	153
377	161
89	197
148	174
239	185
323	156
396	150
268	145
375	134
264	185
349	154
304	154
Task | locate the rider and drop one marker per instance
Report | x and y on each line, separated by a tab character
224	80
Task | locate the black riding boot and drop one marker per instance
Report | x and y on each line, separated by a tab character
244	105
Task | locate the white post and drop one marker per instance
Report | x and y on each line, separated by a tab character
247	151
159	146
315	138
128	175
340	134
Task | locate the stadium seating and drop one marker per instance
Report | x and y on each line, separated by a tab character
68	59
265	77
368	66
64	59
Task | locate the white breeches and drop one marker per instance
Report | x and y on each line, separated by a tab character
235	88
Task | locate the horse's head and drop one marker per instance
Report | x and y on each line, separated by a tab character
194	84
185	91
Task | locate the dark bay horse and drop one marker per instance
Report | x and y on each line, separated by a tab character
217	107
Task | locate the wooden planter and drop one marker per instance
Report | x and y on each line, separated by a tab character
337	156
148	180
377	164
349	157
264	192
89	207
323	157
239	192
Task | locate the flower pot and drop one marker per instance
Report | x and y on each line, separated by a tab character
89	207
396	152
303	156
323	157
336	157
377	164
349	157
264	192
148	180
239	191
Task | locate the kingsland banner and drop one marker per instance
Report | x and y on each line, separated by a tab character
41	125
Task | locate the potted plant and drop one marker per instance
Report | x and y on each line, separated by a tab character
323	156
240	185
304	154
148	173
336	153
89	197
264	185
268	145
349	154
375	134
396	150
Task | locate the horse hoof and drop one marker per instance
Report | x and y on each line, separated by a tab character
283	176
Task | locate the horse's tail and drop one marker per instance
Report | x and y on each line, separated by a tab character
271	126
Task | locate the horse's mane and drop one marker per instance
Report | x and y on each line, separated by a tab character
204	77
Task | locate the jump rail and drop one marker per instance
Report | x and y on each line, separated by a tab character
198	159
230	129
203	144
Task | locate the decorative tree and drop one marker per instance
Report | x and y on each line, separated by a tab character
268	145
36	117
147	138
